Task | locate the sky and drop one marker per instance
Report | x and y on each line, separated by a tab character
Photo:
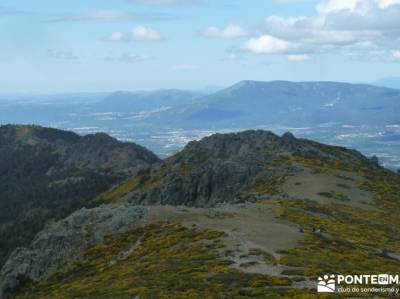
107	45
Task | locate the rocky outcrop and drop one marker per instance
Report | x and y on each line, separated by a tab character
218	168
65	241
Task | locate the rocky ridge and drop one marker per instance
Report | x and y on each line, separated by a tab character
223	167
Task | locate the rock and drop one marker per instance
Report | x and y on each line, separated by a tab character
65	241
218	168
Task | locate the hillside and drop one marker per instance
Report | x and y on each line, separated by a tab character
246	215
254	103
46	174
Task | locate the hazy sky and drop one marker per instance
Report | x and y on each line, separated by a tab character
106	45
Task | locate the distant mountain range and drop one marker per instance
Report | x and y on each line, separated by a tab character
253	103
357	115
247	104
391	82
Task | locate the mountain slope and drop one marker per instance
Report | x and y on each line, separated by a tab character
46	174
254	103
263	217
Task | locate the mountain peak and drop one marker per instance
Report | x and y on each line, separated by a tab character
220	167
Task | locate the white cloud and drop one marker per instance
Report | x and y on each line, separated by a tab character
330	6
386	3
396	54
116	37
230	31
267	44
351	27
298	57
145	34
140	33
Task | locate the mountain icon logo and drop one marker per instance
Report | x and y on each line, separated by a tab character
327	284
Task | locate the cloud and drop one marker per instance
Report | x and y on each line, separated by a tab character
351	27
267	44
298	57
331	6
230	31
62	54
116	37
139	33
133	57
396	54
12	12
387	3
145	34
234	56
128	57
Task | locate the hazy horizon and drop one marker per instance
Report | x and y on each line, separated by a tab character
200	89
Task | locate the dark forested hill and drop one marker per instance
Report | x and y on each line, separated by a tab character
45	174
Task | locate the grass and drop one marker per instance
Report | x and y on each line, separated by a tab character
269	258
118	193
160	261
139	183
349	242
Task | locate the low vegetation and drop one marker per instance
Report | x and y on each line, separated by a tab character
160	261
